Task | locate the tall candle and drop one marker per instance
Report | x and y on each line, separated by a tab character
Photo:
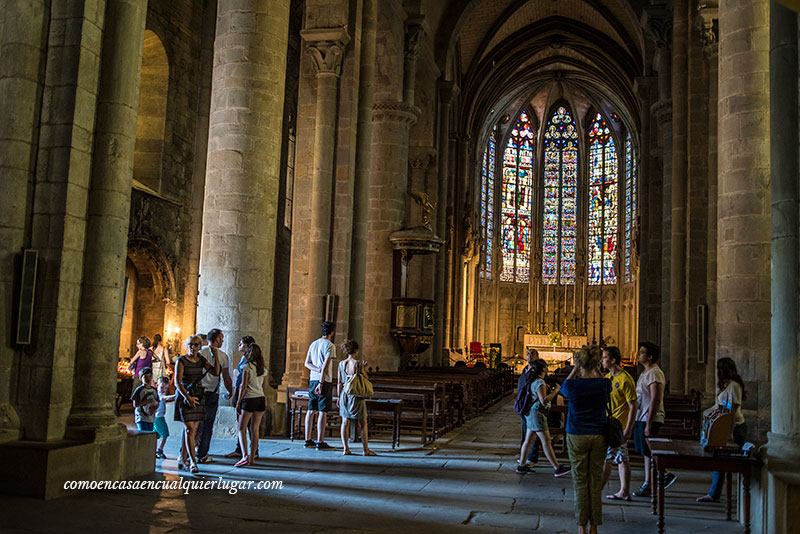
547	299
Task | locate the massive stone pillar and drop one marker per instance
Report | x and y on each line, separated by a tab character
92	415
20	61
743	245
439	339
677	243
783	448
366	98
387	208
326	48
244	147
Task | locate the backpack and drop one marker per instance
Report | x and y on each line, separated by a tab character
524	400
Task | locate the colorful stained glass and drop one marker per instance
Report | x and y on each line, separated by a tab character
630	203
516	202
487	205
603	203
559	210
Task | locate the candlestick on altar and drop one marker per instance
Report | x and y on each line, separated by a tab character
574	292
547	299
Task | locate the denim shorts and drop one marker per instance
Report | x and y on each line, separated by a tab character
639	441
536	421
618	455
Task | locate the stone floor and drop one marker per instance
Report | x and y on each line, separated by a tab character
465	483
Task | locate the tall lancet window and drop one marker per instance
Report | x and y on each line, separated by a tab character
603	203
487	204
630	203
516	202
559	230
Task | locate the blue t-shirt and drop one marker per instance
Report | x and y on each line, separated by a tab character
588	398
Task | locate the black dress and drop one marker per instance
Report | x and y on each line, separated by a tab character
192	372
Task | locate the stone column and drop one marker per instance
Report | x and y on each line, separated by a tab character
743	247
677	243
414	34
783	448
445	97
326	48
92	415
708	22
387	208
366	97
243	170
206	53
657	22
20	59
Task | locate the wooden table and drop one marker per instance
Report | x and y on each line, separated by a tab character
299	401
691	455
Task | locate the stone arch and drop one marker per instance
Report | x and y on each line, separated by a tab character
152	118
151	294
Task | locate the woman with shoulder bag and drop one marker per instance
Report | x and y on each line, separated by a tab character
189	372
588	393
351	406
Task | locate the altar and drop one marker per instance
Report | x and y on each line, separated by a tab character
555	354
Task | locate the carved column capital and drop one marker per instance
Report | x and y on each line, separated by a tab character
662	111
707	23
414	34
657	25
325	47
395	112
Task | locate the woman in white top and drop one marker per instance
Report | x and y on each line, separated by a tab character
729	399
161	362
251	403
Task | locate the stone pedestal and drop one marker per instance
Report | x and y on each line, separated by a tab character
241	193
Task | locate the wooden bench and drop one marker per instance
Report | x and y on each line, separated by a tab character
683	416
376	408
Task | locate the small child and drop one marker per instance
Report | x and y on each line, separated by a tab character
145	401
161	423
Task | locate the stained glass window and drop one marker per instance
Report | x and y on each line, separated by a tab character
559	229
603	203
630	203
516	202
487	205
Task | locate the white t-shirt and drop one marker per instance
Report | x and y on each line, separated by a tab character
318	351
255	383
732	395
650	376
211	382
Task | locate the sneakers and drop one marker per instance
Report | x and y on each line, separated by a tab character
643	491
322	446
207	459
522	469
160	455
669	479
561	470
310	444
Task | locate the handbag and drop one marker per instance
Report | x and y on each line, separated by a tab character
612	430
358	385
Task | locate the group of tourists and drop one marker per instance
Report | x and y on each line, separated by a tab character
196	377
594	397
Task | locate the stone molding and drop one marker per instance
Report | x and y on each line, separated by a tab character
393	111
662	111
326	48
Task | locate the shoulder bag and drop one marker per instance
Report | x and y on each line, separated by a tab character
358	385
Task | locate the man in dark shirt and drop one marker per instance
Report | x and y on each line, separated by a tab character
524	381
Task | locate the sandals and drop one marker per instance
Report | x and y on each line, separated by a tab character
347	452
706	498
243	462
615	497
370	453
194	469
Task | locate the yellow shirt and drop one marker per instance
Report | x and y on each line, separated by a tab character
623	391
